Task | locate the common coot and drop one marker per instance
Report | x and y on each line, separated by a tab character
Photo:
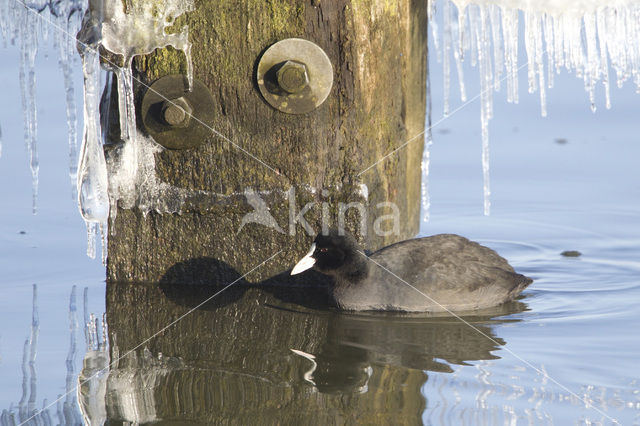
447	272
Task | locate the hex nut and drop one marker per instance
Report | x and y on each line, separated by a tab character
292	77
176	112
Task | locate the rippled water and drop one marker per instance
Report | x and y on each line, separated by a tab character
565	353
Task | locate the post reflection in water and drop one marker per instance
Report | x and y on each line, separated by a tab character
275	351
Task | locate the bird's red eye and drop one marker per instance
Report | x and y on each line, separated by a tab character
323	249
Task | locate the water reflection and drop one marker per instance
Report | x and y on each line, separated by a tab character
275	351
92	381
28	412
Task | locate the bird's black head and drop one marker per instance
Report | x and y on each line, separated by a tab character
330	253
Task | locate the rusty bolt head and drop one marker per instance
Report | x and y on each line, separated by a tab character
292	76
176	112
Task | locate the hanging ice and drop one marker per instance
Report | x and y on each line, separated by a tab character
29	28
142	28
137	31
426	159
66	16
585	37
93	197
26	24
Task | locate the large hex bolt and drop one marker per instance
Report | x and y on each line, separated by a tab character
176	112
292	77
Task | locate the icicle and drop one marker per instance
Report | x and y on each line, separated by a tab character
486	101
488	69
576	47
104	241
473	11
458	53
4	23
604	60
28	49
187	51
619	60
530	48
510	37
550	44
540	65
431	11
486	187
535	57
426	158
93	198
446	59
425	166
66	44
592	65
498	45
558	44
126	105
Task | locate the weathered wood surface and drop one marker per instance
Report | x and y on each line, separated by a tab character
378	50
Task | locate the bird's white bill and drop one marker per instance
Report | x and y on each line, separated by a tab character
306	262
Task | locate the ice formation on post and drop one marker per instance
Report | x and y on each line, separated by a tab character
137	31
586	37
142	28
93	197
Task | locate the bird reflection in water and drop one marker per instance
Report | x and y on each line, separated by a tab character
278	350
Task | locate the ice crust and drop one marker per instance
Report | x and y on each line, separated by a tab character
586	37
143	28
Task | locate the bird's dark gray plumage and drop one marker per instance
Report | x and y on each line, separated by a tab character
449	272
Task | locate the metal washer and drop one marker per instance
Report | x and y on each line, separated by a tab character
173	87
319	70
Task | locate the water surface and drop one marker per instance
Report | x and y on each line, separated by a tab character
566	353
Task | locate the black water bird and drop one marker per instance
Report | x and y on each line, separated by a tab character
443	272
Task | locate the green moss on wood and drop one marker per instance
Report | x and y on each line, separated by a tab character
376	104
